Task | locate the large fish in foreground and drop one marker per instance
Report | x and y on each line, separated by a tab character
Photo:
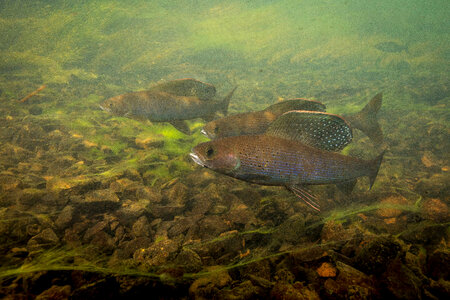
271	160
253	123
171	103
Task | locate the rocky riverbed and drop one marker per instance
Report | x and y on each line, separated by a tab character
84	219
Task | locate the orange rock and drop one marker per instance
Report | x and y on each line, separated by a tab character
390	220
362	216
89	144
77	135
326	270
146	142
388	204
436	210
427	159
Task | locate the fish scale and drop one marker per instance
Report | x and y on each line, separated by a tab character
288	162
171	102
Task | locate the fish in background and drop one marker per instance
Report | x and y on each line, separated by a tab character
172	102
257	122
281	157
186	87
391	47
366	120
253	123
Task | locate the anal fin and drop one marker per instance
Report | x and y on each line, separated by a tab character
302	193
181	125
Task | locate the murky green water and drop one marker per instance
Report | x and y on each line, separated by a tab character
96	204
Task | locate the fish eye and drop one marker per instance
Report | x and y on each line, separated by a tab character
110	105
209	152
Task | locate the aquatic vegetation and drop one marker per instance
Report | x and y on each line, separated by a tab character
93	205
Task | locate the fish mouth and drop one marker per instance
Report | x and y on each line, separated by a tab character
203	131
104	108
207	134
197	159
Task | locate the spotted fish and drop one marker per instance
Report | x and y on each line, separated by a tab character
271	160
188	87
257	122
161	106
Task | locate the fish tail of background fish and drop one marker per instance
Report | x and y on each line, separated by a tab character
374	167
226	101
366	120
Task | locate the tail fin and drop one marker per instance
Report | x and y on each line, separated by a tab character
366	119
226	102
374	166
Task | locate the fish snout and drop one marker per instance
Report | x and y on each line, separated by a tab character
104	108
203	131
196	159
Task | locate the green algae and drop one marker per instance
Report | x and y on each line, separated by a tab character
70	51
65	259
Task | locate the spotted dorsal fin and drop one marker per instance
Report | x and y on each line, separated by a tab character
317	129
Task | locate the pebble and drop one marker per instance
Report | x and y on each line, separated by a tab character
141	228
326	270
100	201
46	239
388	206
435	210
55	292
65	217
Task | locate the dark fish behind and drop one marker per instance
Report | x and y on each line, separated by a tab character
269	160
391	47
257	122
159	106
187	87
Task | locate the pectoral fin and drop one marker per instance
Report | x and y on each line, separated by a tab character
181	126
302	193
